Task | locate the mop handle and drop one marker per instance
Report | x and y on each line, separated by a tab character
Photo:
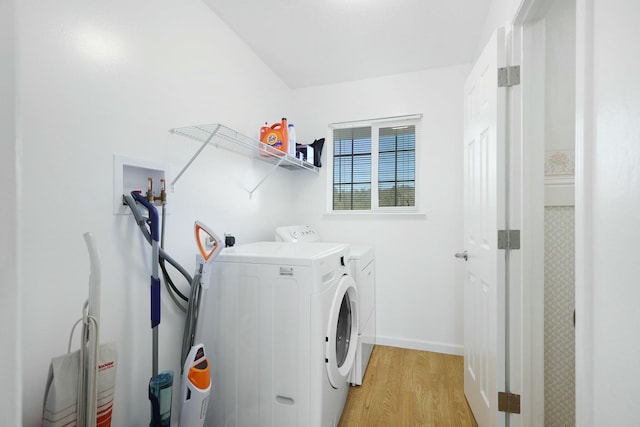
209	251
155	280
154	222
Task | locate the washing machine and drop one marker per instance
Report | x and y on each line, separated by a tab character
361	263
280	328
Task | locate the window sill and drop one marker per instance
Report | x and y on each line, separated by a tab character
347	215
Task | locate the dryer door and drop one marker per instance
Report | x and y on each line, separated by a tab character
342	332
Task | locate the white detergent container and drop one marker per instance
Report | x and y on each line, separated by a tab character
361	264
292	139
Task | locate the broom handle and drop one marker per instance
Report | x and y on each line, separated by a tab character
154	225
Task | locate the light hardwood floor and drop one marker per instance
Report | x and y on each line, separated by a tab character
409	388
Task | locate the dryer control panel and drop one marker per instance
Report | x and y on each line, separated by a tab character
296	233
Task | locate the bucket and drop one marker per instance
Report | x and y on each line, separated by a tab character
276	136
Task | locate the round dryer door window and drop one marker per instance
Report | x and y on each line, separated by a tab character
342	333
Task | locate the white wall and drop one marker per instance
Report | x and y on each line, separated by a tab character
560	36
9	275
419	283
560	84
98	79
500	14
608	205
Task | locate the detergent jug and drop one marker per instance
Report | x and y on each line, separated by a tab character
263	131
276	136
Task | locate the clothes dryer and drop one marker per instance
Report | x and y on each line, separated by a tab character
281	325
361	263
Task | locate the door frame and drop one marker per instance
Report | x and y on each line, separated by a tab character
529	109
585	137
527	121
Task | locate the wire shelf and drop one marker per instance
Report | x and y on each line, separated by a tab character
218	135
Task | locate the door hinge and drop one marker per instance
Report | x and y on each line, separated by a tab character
509	76
508	239
509	403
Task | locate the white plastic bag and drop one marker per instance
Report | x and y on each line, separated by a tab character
61	392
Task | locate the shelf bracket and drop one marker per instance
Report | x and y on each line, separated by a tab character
204	144
276	165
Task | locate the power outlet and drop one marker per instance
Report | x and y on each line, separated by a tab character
133	175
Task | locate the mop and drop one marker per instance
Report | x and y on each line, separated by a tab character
161	384
196	379
80	384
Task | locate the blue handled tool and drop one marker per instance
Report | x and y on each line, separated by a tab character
160	385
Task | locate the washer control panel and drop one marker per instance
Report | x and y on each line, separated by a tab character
296	233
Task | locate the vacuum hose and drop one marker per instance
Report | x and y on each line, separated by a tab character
163	255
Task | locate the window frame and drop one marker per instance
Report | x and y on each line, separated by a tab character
375	125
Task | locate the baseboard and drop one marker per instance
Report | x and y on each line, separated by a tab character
436	347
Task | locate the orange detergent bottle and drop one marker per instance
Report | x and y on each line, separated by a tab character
276	136
263	131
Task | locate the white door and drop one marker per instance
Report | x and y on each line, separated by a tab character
484	190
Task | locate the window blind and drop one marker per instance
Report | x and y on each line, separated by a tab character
396	166
352	168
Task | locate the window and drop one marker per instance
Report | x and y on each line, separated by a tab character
352	169
397	166
374	165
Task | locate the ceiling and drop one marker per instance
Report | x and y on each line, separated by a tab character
316	42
